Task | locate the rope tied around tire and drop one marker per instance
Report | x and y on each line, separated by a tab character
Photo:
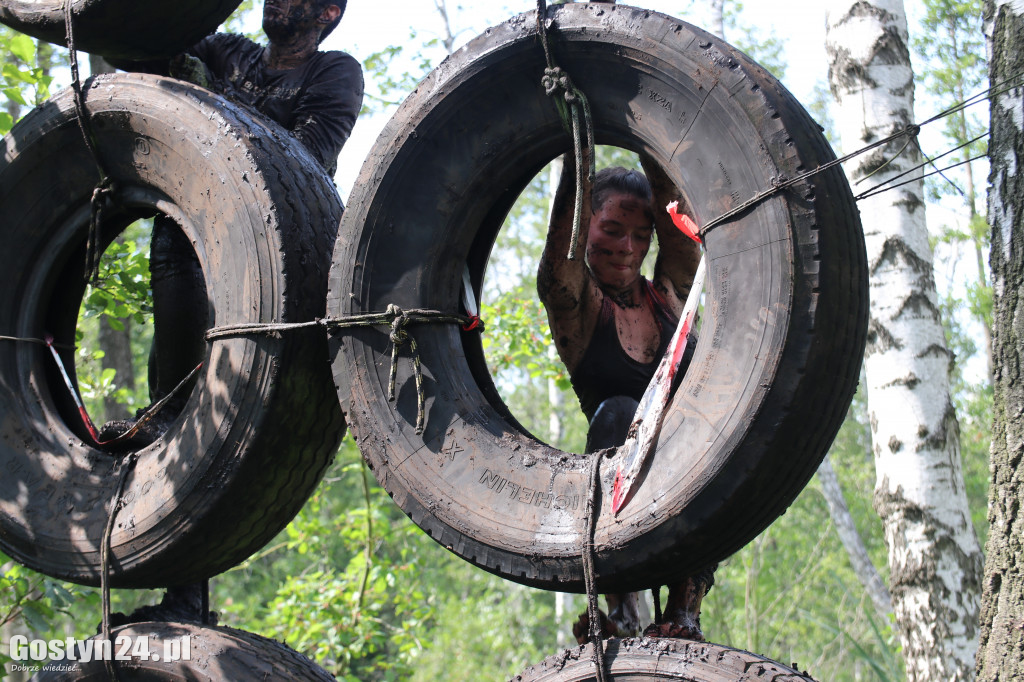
589	573
572	107
393	316
105	188
124	467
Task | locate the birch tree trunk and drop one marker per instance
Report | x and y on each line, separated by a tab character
934	557
1001	655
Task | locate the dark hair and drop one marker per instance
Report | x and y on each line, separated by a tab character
324	4
620	180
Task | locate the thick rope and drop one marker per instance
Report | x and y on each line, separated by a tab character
574	110
393	316
589	574
125	466
572	106
105	187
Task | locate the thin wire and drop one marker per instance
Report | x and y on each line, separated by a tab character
872	192
928	161
780	184
981	96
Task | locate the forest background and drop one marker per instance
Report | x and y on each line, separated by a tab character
355	585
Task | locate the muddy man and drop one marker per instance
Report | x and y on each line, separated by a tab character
314	94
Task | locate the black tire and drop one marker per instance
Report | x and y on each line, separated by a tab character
661	659
783	332
263	422
217	654
120	29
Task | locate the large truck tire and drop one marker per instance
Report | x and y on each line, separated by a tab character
215	654
783	331
661	659
120	29
261	424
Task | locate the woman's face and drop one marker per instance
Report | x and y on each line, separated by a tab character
618	240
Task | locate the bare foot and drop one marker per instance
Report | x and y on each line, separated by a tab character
681	619
674	630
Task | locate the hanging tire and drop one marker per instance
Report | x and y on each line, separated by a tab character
214	654
263	422
784	325
121	29
661	659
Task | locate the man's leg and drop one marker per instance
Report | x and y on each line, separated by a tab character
180	319
180	309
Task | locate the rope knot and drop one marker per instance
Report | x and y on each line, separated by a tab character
553	79
913	130
399	319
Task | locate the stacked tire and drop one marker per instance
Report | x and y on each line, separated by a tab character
785	317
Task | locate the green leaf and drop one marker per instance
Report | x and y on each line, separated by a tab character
15	94
22	47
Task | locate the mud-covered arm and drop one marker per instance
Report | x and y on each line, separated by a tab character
563	285
327	109
678	255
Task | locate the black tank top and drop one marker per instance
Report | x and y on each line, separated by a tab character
606	369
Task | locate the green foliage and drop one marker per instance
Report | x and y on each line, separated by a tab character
24	75
792	594
767	50
121	296
241	18
343	583
35	603
392	73
121	289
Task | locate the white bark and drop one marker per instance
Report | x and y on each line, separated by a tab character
934	557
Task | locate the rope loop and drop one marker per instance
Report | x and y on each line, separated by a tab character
574	111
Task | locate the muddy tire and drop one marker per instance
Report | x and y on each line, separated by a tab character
263	422
121	29
784	327
216	653
661	659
